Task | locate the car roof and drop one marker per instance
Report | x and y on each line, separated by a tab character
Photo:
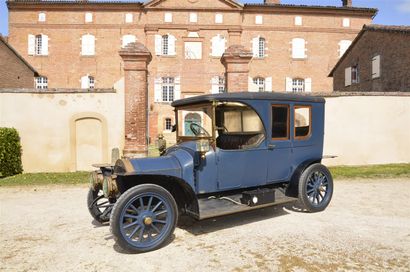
241	96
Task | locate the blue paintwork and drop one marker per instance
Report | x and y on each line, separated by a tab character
233	169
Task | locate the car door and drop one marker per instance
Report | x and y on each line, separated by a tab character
279	144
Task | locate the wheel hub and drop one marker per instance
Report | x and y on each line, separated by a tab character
148	221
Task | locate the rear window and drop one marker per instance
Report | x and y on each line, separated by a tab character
280	122
303	124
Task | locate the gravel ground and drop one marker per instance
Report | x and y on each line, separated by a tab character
365	228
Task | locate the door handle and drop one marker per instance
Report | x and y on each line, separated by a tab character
271	146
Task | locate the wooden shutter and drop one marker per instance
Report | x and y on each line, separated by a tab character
31	44
177	89
44	45
158	45
348	76
252	86
288	84
268	84
171	45
158	89
215	84
84	82
308	85
255	46
87	45
376	67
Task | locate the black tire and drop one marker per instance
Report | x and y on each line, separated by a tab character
315	188
100	214
158	215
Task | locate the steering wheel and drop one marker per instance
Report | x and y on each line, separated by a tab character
198	130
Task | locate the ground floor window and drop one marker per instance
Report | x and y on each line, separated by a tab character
298	85
260	83
168	124
41	83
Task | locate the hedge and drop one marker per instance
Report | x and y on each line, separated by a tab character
10	152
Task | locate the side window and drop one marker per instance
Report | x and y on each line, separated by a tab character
280	122
303	122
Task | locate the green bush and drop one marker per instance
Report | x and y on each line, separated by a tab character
10	152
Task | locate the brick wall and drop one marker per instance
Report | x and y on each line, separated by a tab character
393	49
13	72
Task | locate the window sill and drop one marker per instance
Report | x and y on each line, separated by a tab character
259	58
39	56
164	102
167	56
87	56
299	59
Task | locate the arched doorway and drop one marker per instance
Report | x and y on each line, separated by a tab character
189	119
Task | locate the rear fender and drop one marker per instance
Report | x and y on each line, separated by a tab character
293	189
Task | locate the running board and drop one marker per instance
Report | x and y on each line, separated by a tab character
213	207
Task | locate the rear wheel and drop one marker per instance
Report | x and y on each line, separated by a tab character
144	218
315	188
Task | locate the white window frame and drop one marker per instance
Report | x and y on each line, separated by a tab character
168	89
88	45
38	48
346	22
91	82
168	124
355	74
219	18
165	45
41	83
261	47
193	17
42	17
298	48
258	19
260	83
298	85
88	17
298	20
129	18
168	17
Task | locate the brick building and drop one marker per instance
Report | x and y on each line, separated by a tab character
377	61
15	71
75	44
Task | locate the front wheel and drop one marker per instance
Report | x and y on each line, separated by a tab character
315	188
144	218
98	205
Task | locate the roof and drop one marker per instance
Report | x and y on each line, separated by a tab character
372	28
241	96
3	40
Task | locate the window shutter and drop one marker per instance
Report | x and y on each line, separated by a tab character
288	84
376	67
171	45
84	82
255	46
44	45
298	48
87	45
126	39
308	85
177	90
348	76
268	84
215	84
218	46
158	89
252	86
91	44
158	45
31	44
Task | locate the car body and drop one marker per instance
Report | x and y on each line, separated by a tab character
234	152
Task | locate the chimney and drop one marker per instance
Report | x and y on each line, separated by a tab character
270	2
347	3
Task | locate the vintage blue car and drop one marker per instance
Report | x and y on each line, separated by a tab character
234	152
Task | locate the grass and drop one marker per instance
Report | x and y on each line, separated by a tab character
338	172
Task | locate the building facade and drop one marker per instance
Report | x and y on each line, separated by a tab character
75	44
15	71
377	61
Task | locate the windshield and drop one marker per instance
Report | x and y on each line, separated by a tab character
195	121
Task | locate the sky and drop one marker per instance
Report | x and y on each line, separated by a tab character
391	12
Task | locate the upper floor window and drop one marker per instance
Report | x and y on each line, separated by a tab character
219	18
218	45
260	83
352	75
165	45
126	39
129	18
298	20
193	50
298	85
258	19
38	44
88	17
376	66
298	48
88	45
259	47
218	84
168	17
41	83
343	46
355	74
41	17
193	17
346	22
167	89
87	82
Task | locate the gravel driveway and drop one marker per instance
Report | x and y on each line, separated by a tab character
366	227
